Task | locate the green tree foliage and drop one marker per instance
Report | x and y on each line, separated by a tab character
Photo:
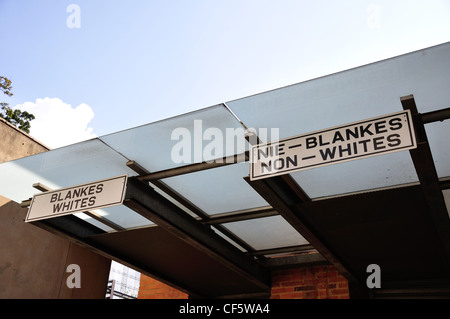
16	117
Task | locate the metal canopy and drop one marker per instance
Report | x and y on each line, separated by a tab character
206	229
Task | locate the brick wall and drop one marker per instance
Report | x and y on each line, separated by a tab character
152	289
319	282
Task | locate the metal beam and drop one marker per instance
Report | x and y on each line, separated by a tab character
428	178
411	293
166	189
229	160
241	215
436	116
204	217
146	201
285	250
284	195
303	260
444	183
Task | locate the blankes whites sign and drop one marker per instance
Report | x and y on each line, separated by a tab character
376	136
85	197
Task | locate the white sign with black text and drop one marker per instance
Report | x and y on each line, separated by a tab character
371	137
85	197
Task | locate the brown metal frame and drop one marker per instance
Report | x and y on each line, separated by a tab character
204	217
146	201
426	171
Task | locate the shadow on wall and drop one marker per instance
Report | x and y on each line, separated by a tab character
33	262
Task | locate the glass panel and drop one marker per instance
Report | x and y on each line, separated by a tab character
63	167
218	190
174	201
351	95
197	136
93	221
438	134
123	216
69	166
266	233
218	232
358	175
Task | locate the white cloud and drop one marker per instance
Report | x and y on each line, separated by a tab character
57	123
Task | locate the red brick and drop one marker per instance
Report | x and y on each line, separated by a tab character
309	283
331	286
339	291
342	286
292	295
303	288
282	290
291	283
311	295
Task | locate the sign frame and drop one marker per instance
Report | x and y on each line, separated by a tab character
287	144
39	208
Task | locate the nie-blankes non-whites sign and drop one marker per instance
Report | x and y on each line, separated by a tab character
376	136
85	197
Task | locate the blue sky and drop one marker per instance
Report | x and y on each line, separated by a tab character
134	62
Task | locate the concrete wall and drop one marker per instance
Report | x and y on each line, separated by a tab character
33	262
15	143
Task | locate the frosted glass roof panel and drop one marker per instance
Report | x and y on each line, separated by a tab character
356	94
123	216
63	167
218	190
266	233
94	222
120	215
151	145
69	166
438	134
359	175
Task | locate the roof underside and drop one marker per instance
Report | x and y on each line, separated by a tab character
205	228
